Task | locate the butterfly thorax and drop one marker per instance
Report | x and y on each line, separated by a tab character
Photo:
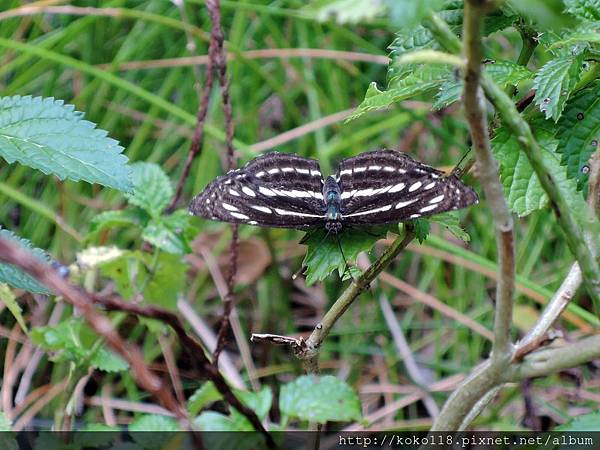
333	198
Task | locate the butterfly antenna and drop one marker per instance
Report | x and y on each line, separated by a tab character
346	267
458	171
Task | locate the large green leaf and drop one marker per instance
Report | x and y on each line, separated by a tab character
579	132
152	188
319	399
167	280
203	396
585	33
48	135
117	218
521	185
554	82
16	277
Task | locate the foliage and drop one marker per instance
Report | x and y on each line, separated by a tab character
73	149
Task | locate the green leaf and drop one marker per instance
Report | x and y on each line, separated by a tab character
108	361
324	256
259	402
319	399
214	421
586	33
579	132
48	135
503	73
401	89
126	271
584	9
584	423
118	218
451	221
64	339
10	301
152	189
555	81
521	185
203	396
344	11
154	422
167	280
166	232
16	277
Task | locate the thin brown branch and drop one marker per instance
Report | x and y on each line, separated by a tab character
214	9
474	103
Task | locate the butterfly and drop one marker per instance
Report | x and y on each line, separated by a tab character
288	191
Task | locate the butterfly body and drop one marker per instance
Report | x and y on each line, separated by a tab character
289	191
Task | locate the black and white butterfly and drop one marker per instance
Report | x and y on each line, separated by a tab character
289	191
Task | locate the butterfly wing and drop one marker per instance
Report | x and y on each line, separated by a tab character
386	186
274	190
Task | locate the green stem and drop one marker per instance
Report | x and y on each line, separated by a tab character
310	353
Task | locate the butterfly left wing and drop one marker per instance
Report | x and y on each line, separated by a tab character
386	186
274	190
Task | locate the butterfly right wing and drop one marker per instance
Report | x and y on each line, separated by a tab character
273	190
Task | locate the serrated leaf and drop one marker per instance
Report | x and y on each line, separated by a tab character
108	361
584	423
345	11
127	271
203	396
15	277
214	421
584	9
319	399
554	82
503	73
118	218
64	339
48	135
586	32
451	221
152	188
579	133
166	232
324	255
521	185
402	89
10	301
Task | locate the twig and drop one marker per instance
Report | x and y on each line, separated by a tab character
214	9
489	178
547	361
310	354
